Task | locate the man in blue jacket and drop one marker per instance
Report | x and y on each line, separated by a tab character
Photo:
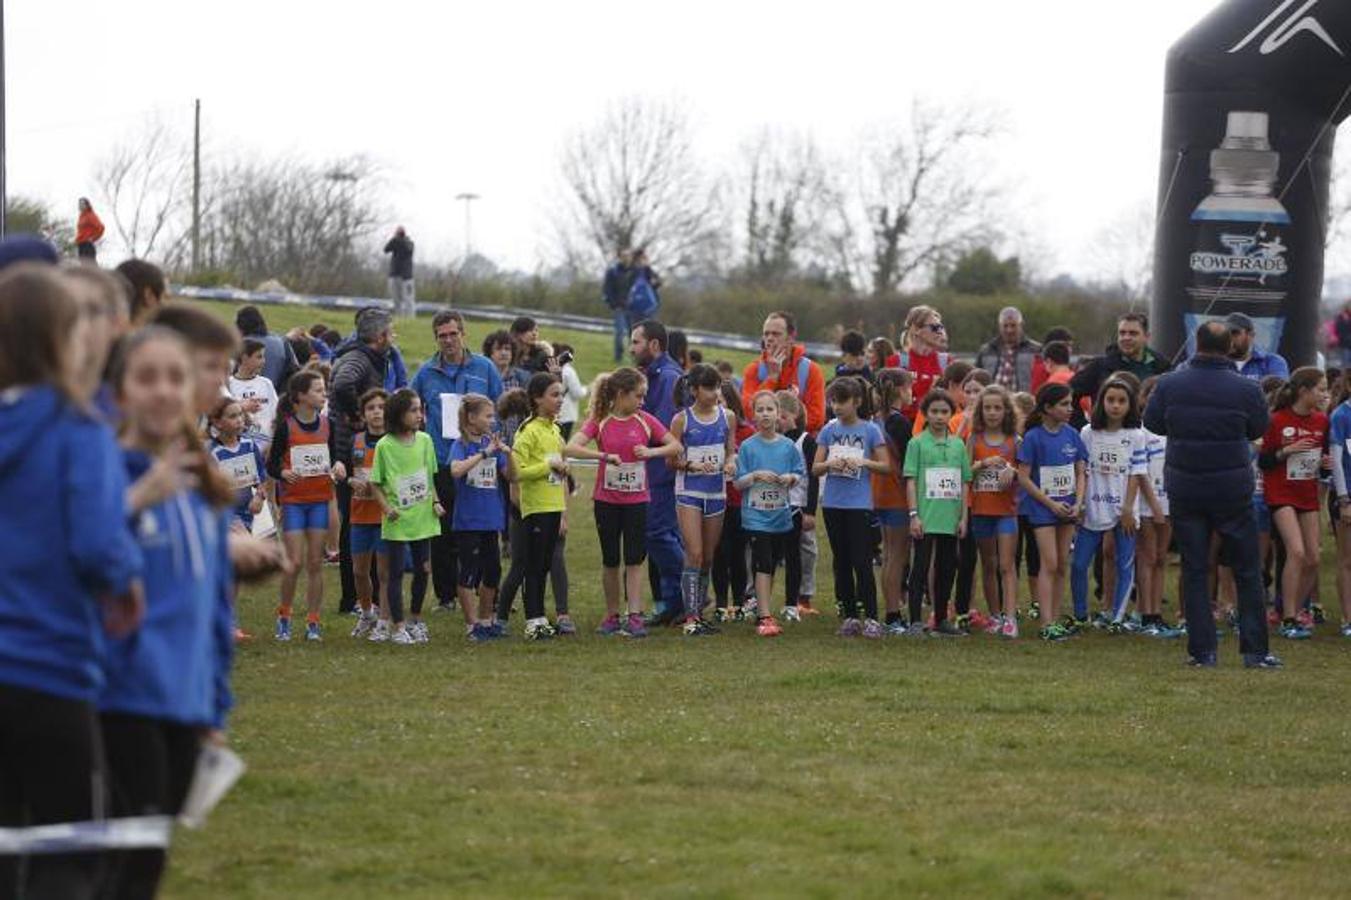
449	374
615	292
665	551
1251	361
1211	415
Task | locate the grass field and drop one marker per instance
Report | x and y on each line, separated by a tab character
803	766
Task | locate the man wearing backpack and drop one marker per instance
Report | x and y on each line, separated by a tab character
783	366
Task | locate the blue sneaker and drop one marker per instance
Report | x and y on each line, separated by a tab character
1204	661
283	632
499	630
480	633
1258	661
897	628
312	632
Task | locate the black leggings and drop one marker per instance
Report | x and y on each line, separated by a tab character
558	572
968	553
626	522
150	764
52	770
941	550
767	550
851	549
1027	548
394	590
729	560
445	549
480	558
541	538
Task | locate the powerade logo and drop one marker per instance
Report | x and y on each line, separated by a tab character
1246	256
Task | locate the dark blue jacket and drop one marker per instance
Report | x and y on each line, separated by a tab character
176	666
66	542
615	289
1210	415
662	376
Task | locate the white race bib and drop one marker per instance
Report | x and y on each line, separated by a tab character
309	460
943	483
410	490
1057	481
1112	458
484	474
626	478
715	454
988	481
1261	488
554	477
450	416
1302	466
241	470
855	454
767	497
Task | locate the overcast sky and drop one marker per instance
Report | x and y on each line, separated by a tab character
453	97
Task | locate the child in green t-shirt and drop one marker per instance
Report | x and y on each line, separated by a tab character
405	473
937	485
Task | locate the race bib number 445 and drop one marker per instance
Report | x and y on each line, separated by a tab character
626	478
309	460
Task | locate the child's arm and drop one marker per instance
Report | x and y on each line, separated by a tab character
669	448
879	462
1033	490
819	464
577	449
528	467
1080	487
677	429
461	467
729	456
1128	520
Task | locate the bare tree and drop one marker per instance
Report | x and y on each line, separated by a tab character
1124	251
632	181
301	223
788	197
921	197
142	184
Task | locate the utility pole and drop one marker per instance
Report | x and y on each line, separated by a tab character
467	199
196	186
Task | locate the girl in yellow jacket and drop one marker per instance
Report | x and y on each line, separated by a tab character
541	473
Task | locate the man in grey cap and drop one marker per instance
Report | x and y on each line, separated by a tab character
1250	360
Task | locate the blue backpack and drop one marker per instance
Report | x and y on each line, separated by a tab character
643	299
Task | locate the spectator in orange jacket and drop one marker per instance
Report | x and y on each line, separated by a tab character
783	366
88	230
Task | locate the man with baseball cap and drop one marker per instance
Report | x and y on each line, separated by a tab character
1250	360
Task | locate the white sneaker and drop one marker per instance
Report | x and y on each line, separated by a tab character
364	625
418	632
379	632
401	636
790	614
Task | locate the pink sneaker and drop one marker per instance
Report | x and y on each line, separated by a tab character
1009	629
994	626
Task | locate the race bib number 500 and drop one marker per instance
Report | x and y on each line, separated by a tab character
1057	481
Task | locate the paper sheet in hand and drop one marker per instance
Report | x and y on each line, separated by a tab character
450	417
218	768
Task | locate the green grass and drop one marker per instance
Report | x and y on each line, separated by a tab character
804	766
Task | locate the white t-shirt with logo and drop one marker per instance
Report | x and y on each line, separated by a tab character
1156	449
257	388
1113	458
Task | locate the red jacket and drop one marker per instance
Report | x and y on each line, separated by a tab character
799	375
88	228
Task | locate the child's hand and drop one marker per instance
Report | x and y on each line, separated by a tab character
1129	525
961	529
438	509
808	522
788	480
289	476
1062	510
561	465
642	452
763	475
916	527
1157	509
256	504
729	468
392	515
338	472
613	459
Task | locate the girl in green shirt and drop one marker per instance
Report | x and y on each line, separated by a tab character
405	473
541	473
937	485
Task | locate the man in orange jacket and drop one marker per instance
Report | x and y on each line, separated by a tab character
783	366
88	230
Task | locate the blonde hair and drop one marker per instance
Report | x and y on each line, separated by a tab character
1023	406
790	404
470	404
976	417
917	316
607	388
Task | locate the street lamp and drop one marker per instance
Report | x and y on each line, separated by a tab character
468	199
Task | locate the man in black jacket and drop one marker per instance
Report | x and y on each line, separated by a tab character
615	292
1211	415
358	366
1131	353
400	250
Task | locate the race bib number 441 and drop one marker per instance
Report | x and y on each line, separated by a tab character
309	460
484	475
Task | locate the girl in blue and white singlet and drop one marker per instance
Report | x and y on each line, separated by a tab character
707	434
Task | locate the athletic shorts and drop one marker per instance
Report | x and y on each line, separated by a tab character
768	549
304	516
893	518
626	522
709	506
366	539
480	558
985	527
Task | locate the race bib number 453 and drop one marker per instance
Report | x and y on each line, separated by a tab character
768	497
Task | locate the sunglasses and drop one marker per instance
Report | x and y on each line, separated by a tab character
936	327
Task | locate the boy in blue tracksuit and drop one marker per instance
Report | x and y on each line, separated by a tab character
66	562
665	549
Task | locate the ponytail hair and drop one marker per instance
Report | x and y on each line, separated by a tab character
609	387
699	376
888	384
1304	378
469	405
917	316
300	383
1049	395
537	387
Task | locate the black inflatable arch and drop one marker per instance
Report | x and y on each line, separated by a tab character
1252	98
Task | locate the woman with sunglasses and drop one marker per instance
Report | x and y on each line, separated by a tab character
924	355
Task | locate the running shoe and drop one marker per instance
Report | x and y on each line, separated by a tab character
1116	628
1132	624
698	628
1258	661
479	634
872	629
312	632
1346	629
1305	619
500	628
662	619
1076	626
380	633
332	557
1293	631
752	608
283	632
448	606
804	607
994	625
364	625
964	623
1151	630
791	614
543	631
401	636
850	628
1009	629
736	614
1204	661
978	621
1101	620
722	614
634	627
1167	632
1055	632
1034	611
1319	616
897	628
565	626
948	628
418	632
917	630
610	626
768	627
